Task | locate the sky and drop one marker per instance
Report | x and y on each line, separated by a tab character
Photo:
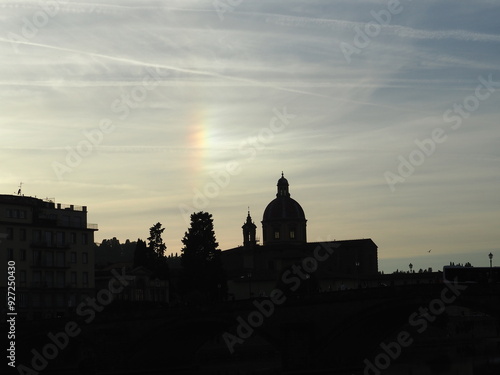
383	116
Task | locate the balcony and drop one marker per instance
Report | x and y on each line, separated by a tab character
40	244
76	225
45	221
45	264
49	284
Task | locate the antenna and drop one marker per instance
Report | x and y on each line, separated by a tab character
20	187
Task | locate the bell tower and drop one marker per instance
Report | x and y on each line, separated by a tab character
249	232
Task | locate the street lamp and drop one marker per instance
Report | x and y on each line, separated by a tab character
411	267
490	255
357	273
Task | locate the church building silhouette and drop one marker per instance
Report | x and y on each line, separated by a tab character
285	260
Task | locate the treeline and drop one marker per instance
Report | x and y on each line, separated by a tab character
201	279
112	251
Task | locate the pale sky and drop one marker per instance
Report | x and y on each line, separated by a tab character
383	116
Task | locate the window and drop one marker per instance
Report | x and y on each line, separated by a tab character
61	238
37	257
16	214
85	279
49	279
35	300
49	259
37	278
60	259
60	279
23	255
10	233
10	254
37	235
85	258
48	237
72	257
73	279
276	235
65	220
21	300
22	234
72	300
76	222
22	276
73	238
292	234
85	239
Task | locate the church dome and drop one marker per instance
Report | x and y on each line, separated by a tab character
283	208
284	218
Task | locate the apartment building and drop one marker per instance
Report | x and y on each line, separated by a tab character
52	246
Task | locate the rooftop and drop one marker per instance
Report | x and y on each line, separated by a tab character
34	201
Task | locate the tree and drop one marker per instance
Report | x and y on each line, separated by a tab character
112	251
155	242
128	249
152	256
200	259
109	251
156	247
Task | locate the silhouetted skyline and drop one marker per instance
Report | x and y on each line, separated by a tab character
383	119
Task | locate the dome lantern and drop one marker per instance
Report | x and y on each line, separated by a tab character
283	187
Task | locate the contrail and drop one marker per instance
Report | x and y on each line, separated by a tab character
169	67
192	71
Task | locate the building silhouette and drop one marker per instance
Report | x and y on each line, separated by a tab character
141	284
286	259
52	246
